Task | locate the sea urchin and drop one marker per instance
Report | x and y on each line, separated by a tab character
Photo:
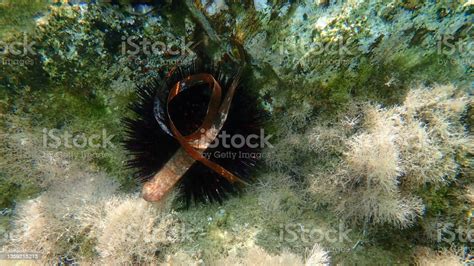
192	129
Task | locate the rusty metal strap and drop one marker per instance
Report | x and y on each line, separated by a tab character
217	110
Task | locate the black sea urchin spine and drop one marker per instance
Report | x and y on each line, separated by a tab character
151	146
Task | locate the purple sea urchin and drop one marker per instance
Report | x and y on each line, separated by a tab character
174	138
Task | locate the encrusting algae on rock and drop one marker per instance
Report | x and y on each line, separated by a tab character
369	108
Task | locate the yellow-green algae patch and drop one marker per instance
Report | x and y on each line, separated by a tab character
80	82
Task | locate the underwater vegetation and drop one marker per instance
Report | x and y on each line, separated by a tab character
367	106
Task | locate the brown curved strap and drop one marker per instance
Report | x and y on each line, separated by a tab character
217	111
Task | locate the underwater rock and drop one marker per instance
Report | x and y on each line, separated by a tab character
363	131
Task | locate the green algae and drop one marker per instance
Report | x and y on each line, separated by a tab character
72	92
13	192
16	16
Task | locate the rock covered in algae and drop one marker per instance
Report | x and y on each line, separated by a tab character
310	61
